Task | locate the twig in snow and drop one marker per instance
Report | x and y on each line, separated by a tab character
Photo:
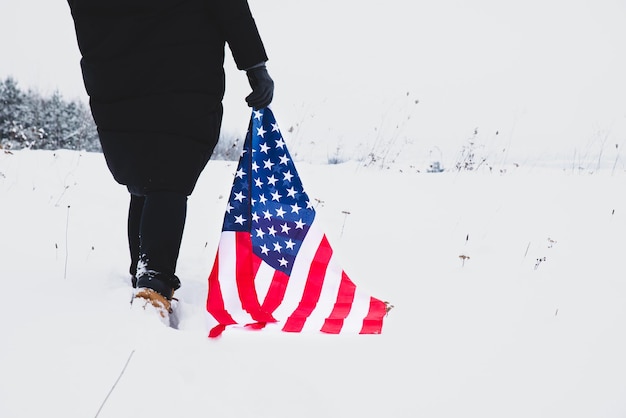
388	307
463	257
67	224
115	384
539	261
345	217
616	159
61	196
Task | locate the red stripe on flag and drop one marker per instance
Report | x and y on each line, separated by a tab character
256	261
217	330
215	300
373	322
345	296
312	289
246	272
276	292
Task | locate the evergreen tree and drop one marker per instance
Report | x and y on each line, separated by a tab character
28	120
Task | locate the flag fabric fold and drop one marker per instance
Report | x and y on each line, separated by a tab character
274	266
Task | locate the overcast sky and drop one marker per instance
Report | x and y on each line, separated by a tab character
547	75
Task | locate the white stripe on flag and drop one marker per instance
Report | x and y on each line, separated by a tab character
262	280
227	274
328	297
360	308
299	273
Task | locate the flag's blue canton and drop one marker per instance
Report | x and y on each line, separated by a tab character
267	197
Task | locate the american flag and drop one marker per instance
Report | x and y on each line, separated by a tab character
274	266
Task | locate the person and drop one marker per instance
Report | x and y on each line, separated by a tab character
154	74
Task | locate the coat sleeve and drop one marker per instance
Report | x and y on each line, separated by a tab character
240	32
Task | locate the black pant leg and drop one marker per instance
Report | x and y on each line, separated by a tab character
134	222
161	232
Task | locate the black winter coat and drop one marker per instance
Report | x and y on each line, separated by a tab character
153	70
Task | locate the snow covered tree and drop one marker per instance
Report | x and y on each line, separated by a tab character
13	114
28	120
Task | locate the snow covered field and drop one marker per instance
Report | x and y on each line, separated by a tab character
509	287
509	292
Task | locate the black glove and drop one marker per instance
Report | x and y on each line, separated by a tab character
262	87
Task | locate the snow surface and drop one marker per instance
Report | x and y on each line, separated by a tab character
530	325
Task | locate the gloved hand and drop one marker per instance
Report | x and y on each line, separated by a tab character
262	87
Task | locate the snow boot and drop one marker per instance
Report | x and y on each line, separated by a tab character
149	299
